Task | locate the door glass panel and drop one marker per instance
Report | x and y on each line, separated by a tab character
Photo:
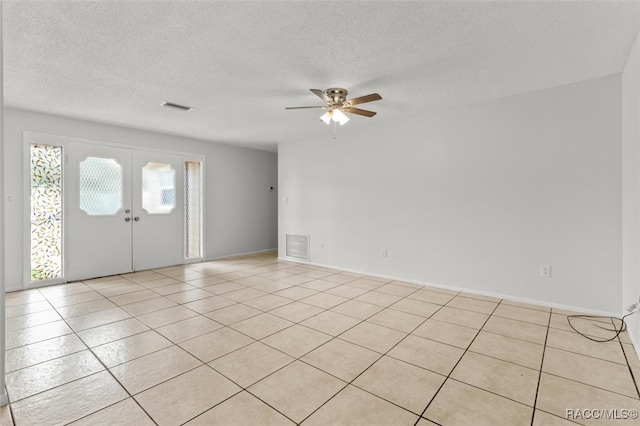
100	186
158	188
46	212
192	209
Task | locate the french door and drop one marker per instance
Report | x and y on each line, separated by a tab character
124	210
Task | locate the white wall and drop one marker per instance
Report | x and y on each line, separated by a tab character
476	196
241	214
3	394
631	186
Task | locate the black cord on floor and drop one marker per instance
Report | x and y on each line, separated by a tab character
623	326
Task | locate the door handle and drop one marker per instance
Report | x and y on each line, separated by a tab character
136	218
127	219
127	211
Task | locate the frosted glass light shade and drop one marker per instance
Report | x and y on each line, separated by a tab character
340	117
326	117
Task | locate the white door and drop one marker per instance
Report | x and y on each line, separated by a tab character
98	207
158	210
124	210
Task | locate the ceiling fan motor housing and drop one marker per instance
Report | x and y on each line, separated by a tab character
337	94
336	99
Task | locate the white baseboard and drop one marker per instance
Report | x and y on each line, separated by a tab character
464	289
512	298
228	256
632	332
636	344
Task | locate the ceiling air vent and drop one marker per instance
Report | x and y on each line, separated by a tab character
298	246
176	106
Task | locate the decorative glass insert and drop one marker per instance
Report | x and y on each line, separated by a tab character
100	186
192	209
158	188
46	212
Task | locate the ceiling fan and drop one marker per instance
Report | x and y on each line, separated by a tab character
337	104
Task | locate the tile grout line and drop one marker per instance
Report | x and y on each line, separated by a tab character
333	338
618	394
198	314
203	315
10	407
544	350
203	363
325	310
561	418
72	381
242	388
594	358
633	377
212	368
108	370
422	415
185	372
110	373
153	329
380	357
541	344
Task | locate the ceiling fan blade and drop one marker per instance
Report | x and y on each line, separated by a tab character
305	107
359	111
362	99
321	95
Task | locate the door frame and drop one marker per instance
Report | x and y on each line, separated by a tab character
29	138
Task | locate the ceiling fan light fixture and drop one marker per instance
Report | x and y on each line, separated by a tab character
326	117
339	116
338	105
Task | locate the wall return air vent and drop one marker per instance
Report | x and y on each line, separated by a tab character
297	246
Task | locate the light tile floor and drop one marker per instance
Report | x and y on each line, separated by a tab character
257	341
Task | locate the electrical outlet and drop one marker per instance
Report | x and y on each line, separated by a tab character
383	252
322	245
545	271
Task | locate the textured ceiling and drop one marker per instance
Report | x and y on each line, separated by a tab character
240	63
